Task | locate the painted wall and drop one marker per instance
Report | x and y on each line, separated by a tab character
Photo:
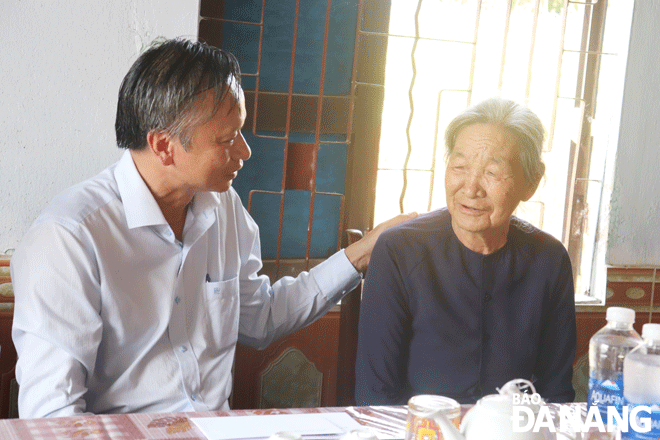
62	62
634	236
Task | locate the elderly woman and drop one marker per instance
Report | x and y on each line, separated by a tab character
463	299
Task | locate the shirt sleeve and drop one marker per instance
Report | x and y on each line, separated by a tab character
383	333
269	312
57	327
558	339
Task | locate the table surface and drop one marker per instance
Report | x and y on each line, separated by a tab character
155	426
389	420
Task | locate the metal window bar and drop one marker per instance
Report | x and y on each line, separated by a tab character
507	21
417	37
468	91
412	106
574	218
532	44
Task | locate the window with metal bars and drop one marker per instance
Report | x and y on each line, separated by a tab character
564	59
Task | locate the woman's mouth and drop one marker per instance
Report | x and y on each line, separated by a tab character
470	210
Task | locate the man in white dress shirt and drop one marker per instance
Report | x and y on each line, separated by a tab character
133	287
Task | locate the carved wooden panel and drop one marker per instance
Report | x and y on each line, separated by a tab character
291	381
318	343
8	357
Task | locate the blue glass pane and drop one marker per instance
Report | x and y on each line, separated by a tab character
265	211
242	41
341	41
296	217
264	169
243	10
331	168
325	226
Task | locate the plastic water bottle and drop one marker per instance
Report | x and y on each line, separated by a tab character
641	382
607	350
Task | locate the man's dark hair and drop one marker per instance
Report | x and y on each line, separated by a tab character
158	91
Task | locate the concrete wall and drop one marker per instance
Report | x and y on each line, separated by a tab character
634	235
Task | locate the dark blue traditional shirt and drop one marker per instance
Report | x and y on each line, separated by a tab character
439	318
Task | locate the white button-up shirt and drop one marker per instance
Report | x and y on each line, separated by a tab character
114	315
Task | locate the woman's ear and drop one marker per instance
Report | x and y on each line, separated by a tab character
529	191
531	188
161	145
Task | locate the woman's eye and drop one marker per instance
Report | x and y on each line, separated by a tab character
494	173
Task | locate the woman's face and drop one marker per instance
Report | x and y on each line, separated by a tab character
484	181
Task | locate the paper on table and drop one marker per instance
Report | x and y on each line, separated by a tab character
310	426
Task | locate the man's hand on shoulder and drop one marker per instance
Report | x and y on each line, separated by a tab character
359	252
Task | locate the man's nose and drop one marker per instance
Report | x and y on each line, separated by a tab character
241	149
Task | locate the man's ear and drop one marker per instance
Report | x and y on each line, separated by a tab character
161	145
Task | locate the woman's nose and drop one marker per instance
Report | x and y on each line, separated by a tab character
473	185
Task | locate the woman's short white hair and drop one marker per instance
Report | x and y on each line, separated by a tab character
523	123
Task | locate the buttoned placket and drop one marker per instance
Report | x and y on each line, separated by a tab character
486	289
178	329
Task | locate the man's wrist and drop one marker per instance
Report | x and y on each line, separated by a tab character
357	255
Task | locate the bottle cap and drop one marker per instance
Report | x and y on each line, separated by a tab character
651	331
620	314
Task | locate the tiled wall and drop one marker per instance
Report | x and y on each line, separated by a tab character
638	289
633	287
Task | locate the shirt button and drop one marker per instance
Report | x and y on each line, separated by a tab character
177	299
183	349
487	297
486	338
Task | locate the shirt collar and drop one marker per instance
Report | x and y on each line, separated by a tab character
203	204
140	207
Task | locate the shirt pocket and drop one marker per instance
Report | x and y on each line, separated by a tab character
217	290
222	309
